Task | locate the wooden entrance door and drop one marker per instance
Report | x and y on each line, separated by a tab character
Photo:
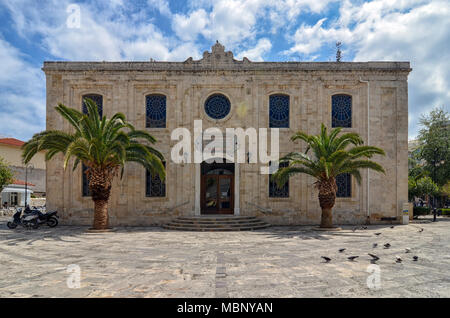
217	194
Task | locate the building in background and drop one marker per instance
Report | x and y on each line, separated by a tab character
14	194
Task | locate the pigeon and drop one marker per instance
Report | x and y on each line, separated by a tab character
415	258
327	259
377	233
421	230
364	228
375	245
374	258
341	250
398	259
352	258
387	245
407	250
392	227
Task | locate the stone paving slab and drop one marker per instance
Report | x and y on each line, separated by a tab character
274	262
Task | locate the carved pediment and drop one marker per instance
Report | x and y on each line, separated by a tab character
217	57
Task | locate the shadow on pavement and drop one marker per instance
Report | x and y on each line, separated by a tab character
72	234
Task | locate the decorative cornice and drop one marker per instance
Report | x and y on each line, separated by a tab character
219	59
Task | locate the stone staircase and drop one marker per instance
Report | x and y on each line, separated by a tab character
216	223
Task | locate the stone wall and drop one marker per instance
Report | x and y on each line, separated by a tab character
37	202
36	177
248	86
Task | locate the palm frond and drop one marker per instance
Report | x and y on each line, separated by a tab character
330	156
97	142
140	134
361	164
281	176
365	151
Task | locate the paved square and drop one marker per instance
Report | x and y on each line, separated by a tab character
275	262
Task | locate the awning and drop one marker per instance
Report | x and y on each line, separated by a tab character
18	190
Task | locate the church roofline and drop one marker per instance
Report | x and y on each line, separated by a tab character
219	59
236	66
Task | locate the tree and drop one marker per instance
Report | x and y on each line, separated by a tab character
102	145
434	147
445	192
412	188
331	157
6	174
422	187
445	189
415	165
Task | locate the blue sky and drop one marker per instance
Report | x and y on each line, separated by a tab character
262	30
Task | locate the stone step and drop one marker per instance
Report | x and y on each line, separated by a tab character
216	223
215	218
215	229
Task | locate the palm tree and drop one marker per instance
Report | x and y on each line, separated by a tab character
331	158
102	145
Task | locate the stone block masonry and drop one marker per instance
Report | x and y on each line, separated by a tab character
248	86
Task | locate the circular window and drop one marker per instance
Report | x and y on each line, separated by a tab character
217	106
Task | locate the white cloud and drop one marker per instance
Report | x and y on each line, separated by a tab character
118	32
256	53
161	5
106	33
415	30
309	39
293	8
232	21
421	36
22	94
235	23
90	42
189	27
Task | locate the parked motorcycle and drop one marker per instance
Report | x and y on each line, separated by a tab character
33	218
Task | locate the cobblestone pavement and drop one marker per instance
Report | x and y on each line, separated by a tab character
275	262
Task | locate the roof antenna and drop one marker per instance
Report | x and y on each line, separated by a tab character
338	51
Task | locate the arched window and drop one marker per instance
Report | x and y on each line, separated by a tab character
344	185
97	99
155	109
217	106
341	111
279	111
221	168
154	186
274	190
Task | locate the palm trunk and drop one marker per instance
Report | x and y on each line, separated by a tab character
100	215
327	198
327	218
100	185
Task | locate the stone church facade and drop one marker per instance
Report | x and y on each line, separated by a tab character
369	98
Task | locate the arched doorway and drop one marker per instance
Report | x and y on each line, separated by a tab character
217	188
